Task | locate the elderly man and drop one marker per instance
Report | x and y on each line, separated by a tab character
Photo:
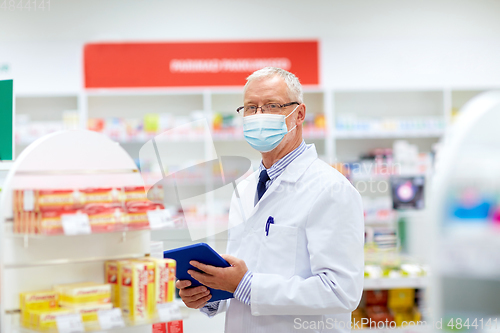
296	252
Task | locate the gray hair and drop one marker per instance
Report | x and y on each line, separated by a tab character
292	82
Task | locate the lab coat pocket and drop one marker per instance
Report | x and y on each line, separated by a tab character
277	254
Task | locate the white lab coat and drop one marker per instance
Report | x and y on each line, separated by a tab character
309	269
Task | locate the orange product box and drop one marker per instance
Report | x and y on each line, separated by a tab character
379	313
104	218
30	222
24	200
17	221
16	201
25	222
164	279
137	289
134	194
95	124
376	297
46	200
36	300
137	214
50	222
100	195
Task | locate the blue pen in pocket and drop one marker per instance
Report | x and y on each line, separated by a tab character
270	221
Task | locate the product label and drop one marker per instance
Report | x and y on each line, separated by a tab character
28	200
71	323
160	218
109	319
169	312
76	224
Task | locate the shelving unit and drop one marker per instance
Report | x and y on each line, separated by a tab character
395	283
333	145
135	103
41	109
70	159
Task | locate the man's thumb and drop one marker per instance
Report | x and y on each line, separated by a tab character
230	259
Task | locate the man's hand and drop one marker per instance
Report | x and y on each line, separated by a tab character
227	278
194	298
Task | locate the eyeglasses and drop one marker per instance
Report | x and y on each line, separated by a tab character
272	108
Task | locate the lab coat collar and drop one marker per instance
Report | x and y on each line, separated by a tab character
297	168
293	171
291	174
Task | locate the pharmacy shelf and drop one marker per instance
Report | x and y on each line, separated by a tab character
73	159
229	136
395	283
376	222
344	135
94	326
118	228
92	102
63	261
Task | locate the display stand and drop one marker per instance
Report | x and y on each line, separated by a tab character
464	251
68	160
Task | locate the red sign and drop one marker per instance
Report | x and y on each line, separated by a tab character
114	65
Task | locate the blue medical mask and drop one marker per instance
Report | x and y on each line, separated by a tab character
264	132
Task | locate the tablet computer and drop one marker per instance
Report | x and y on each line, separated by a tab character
203	253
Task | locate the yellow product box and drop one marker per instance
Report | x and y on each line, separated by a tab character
114	275
137	289
37	300
164	279
400	299
111	277
407	315
171	280
89	312
85	292
46	319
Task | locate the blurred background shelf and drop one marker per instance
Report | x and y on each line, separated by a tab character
395	283
345	135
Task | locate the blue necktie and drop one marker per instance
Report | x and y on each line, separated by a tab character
261	186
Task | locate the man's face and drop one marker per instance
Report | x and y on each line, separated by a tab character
270	90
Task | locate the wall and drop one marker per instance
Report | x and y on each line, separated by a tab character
365	43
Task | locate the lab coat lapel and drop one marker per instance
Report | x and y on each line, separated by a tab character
293	171
297	168
291	174
247	193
